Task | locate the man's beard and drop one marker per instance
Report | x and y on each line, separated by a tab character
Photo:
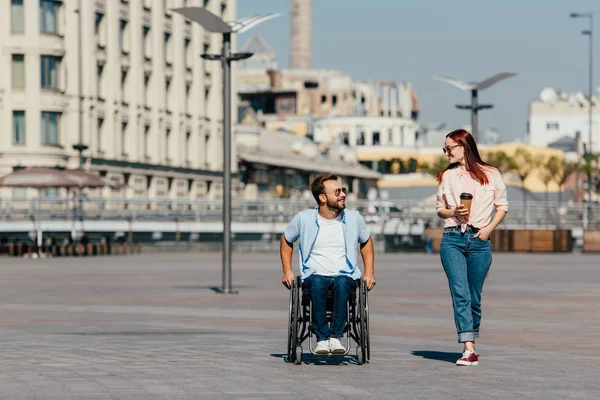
335	205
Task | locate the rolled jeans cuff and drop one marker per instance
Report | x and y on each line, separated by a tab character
466	337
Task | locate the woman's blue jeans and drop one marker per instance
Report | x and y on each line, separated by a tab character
466	261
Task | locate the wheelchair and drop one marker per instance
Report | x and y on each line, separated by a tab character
300	322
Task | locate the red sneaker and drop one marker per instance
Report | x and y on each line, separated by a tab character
469	358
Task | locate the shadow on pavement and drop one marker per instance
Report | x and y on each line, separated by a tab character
437	355
308	358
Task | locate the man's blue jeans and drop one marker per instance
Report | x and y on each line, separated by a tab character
318	285
466	261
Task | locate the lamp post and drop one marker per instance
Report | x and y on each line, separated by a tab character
80	147
215	24
474	88
588	151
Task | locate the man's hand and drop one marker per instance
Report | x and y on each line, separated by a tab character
288	278
484	233
370	280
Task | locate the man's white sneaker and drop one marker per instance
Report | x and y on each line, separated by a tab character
335	347
322	347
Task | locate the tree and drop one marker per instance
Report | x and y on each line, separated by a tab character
412	165
524	164
562	171
550	168
436	167
588	168
502	161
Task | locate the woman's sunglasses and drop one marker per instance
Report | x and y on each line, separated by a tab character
338	191
448	149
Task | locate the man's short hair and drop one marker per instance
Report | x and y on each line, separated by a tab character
317	187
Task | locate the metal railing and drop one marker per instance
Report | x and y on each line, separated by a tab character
535	215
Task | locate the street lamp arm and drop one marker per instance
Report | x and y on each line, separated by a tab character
455	82
202	16
494	79
244	24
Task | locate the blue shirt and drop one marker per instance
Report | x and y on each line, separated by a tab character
305	226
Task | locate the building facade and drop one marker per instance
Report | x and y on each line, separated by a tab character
559	117
151	107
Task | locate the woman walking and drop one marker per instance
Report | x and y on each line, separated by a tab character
469	191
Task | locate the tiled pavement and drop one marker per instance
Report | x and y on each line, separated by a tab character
150	327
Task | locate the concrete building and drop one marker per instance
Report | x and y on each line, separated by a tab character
301	35
283	164
152	108
560	117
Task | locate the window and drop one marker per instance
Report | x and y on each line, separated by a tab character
123	138
167	94
19	193
50	128
18	127
361	139
99	135
18	71
146	85
124	91
334	100
376	139
167	140
99	82
48	14
17	16
146	140
187	99
323	99
188	53
49	72
167	49
123	37
223	8
99	30
49	192
205	50
147	42
205	152
186	149
552	126
206	3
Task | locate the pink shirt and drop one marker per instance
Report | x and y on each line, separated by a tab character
486	198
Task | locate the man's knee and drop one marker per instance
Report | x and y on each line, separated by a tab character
317	283
344	282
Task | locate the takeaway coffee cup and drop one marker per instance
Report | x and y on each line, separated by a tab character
466	199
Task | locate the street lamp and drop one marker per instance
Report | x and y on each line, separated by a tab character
474	88
215	24
589	33
80	147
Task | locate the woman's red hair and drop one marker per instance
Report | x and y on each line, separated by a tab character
473	160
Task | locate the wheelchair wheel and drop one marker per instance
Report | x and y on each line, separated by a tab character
360	358
363	323
298	359
293	321
367	328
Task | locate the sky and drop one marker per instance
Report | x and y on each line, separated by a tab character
469	40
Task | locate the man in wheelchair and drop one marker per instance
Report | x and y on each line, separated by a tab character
330	237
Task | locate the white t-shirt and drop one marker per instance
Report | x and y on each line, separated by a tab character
328	255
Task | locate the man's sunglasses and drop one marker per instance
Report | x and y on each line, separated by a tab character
448	149
338	191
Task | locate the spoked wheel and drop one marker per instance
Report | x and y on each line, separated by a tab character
298	359
293	321
363	323
360	358
367	328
